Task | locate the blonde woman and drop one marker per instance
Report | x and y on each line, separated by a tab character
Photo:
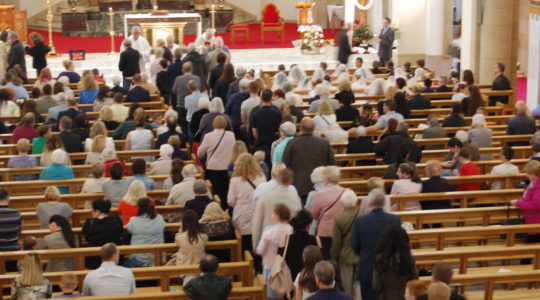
98	128
31	284
247	175
155	67
326	125
216	223
345	92
53	143
128	206
89	91
239	148
96	152
106	116
52	206
95	183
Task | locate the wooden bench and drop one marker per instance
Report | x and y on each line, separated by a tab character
242	270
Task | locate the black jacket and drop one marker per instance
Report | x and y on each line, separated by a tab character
344	50
16	56
435	184
390	147
38	53
199	66
129	62
72	142
208	286
361	145
138	94
501	83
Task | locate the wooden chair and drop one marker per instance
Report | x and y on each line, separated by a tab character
271	21
239	31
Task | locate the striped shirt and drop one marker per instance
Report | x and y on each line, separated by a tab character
23	161
10	224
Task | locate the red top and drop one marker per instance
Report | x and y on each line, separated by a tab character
469	169
24	131
109	163
127	211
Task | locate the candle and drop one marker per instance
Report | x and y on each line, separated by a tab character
110	8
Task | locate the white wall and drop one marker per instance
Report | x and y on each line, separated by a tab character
412	24
34	7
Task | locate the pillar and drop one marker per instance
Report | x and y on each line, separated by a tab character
498	39
412	24
533	76
469	32
438	28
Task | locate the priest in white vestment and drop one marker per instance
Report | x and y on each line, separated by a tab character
206	39
140	44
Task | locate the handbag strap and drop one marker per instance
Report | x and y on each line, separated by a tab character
286	245
332	205
252	184
215	148
324	119
352	223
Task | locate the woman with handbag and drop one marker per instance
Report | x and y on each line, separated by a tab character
268	249
217	147
326	206
531	200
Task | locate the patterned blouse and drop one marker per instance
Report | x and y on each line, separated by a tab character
27	292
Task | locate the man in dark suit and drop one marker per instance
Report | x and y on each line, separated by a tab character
365	234
129	63
304	153
71	112
501	83
16	52
386	40
137	93
344	45
72	142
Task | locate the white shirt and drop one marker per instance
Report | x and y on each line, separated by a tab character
266	187
109	279
503	169
246	107
140	44
109	143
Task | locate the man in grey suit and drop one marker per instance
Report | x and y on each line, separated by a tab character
180	91
386	40
304	153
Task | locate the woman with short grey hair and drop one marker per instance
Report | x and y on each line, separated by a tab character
287	131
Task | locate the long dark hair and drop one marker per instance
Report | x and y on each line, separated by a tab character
67	233
311	256
176	171
146	207
191	225
227	76
393	249
475	100
406	168
468	77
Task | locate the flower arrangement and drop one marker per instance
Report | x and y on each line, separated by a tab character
74	2
362	33
397	32
312	38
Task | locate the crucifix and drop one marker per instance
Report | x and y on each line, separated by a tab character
350	6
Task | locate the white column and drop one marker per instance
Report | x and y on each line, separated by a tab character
434	27
533	77
468	33
349	11
376	16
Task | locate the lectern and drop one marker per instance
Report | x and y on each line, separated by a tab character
13	20
304	12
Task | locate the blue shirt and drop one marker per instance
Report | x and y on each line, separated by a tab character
280	148
20	91
88	97
53	112
387	116
192	104
233	108
57	172
148	182
73	76
23	161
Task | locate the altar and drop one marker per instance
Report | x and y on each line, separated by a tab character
160	25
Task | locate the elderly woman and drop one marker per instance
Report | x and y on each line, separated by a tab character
246	176
326	206
287	131
95	183
481	136
318	185
58	171
182	192
203	105
530	204
371	184
326	125
23	160
163	165
361	144
435	184
215	109
106	116
52	206
53	143
341	251
216	148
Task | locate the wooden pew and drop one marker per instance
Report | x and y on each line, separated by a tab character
359	186
243	270
79	254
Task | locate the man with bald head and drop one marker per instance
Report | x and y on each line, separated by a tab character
521	123
304	153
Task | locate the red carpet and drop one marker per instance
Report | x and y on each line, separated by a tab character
103	44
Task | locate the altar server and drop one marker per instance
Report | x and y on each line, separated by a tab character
140	44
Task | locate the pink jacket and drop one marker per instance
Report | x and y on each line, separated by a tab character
240	197
327	200
531	204
222	156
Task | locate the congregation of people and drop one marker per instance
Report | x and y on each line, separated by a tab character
241	156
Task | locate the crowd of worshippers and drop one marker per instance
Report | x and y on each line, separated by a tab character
279	188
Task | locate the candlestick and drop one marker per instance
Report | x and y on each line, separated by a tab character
49	23
111	32
213	15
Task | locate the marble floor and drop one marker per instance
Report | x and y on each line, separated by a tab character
257	59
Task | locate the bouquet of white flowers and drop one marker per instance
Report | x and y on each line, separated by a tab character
312	38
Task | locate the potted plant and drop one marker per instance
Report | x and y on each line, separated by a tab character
362	34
